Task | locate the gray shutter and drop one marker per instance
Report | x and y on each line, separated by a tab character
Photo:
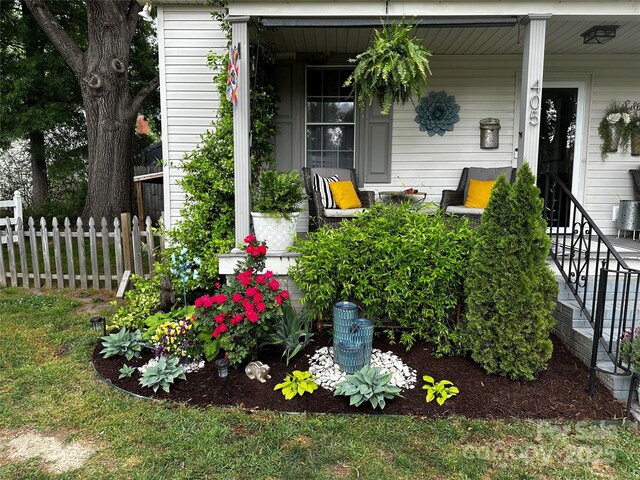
289	141
374	159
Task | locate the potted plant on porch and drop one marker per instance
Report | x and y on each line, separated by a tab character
613	128
276	201
633	132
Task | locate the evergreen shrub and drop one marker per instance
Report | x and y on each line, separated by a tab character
510	289
396	263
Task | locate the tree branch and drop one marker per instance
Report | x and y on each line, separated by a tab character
144	92
69	50
133	17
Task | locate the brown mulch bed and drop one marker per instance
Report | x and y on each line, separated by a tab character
559	392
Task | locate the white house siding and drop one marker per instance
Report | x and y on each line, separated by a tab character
188	96
483	86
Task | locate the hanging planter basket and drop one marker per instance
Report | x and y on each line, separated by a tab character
392	69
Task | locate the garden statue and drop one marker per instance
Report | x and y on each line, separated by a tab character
167	298
257	371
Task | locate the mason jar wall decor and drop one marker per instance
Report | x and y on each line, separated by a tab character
489	133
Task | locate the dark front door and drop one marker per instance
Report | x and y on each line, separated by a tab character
558	141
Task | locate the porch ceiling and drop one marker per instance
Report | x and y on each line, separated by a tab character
563	37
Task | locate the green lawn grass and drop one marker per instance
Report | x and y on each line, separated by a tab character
47	384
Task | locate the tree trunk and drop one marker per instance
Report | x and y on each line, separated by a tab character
102	71
40	189
34	47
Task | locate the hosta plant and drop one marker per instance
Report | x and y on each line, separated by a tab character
125	343
126	371
368	384
162	374
297	383
439	391
394	67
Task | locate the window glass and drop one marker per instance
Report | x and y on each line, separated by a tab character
330	118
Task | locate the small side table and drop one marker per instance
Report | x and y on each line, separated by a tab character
394	196
629	217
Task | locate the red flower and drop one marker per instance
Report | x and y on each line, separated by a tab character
278	300
237	298
244	280
268	274
262	250
261	307
219	330
251	250
251	291
199	302
219	318
273	285
248	307
257	297
219	299
208	301
250	238
284	294
236	319
217	284
260	279
252	317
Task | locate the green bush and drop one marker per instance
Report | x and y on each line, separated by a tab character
207	226
510	289
143	300
398	264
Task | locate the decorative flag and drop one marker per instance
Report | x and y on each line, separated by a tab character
232	75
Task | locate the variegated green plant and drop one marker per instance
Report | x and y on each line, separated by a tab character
297	383
368	384
392	69
440	391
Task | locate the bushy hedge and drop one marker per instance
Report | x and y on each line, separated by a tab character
510	290
396	263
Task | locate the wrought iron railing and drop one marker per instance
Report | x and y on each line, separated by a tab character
603	284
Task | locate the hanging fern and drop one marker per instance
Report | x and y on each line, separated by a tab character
394	67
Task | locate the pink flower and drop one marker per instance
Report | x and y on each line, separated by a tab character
268	274
219	299
257	297
237	298
244	280
261	307
219	318
252	317
273	285
284	294
251	291
208	301
260	279
250	238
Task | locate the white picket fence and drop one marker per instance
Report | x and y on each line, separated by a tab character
67	255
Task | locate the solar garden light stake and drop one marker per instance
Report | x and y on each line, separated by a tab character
99	323
222	364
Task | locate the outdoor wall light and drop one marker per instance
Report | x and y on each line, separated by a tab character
599	34
146	12
99	323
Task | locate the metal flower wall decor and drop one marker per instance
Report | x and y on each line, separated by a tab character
437	113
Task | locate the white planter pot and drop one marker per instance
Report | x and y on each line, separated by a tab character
278	232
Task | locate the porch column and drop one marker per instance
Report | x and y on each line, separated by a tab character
241	131
531	89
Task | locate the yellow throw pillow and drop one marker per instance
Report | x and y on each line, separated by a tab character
478	193
345	195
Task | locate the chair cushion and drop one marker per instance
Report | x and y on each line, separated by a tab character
460	210
478	193
479	173
345	195
321	184
340	213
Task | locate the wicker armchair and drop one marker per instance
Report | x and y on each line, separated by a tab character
317	217
455	198
635	174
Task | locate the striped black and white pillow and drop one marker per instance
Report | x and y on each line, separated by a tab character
321	184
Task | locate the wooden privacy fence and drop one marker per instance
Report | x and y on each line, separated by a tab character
76	255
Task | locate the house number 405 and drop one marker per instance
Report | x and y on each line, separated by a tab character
534	103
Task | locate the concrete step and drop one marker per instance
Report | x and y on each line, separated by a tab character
614	380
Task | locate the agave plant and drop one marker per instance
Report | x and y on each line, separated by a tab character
291	332
392	69
368	384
